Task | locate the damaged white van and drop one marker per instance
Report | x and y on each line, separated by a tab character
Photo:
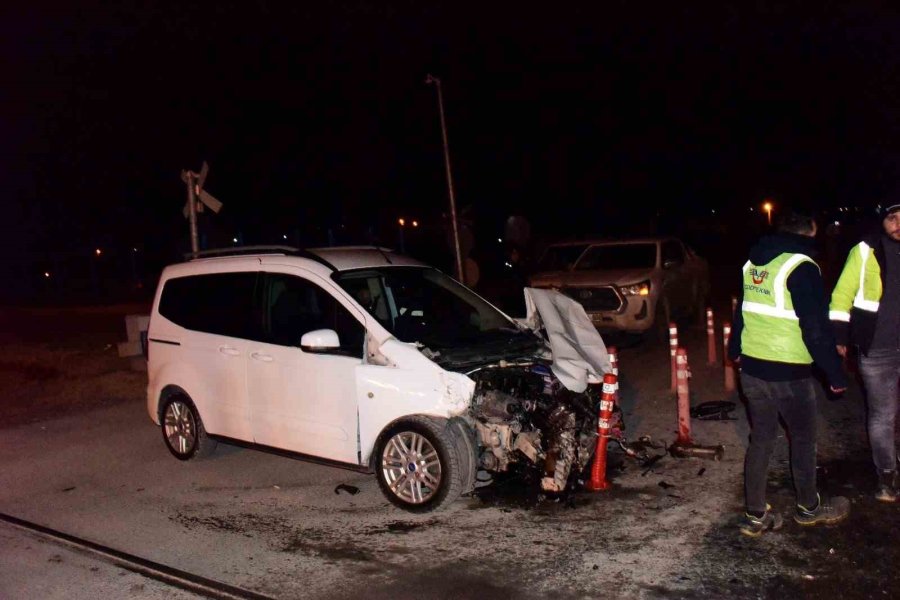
364	359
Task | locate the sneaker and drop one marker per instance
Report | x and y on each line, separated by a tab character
887	487
756	526
827	512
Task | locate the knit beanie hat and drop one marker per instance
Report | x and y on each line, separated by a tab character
886	208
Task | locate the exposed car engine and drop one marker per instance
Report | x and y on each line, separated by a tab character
523	414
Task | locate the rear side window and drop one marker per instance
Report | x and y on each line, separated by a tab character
296	306
219	303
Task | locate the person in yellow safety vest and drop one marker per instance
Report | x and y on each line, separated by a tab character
865	308
780	329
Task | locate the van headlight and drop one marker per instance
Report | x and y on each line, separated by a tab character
636	289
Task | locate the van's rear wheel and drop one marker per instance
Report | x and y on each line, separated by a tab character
183	430
417	464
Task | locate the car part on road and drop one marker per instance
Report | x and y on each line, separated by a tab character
716	410
183	430
190	582
343	487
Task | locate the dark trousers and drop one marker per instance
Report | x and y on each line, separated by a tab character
795	401
880	370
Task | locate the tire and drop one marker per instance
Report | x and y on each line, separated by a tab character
421	452
701	303
467	451
659	331
183	431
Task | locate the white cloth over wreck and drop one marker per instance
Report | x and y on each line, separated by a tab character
579	354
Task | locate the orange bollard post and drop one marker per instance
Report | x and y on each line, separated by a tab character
673	346
711	336
607	402
684	401
729	366
613	353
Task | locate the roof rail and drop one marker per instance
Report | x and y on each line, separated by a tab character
251	250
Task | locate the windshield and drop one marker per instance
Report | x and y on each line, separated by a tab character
420	304
560	258
618	256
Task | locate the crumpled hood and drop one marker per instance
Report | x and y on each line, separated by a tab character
579	354
618	277
770	246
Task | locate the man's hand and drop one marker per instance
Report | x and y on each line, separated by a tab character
842	350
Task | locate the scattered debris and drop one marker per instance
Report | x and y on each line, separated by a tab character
665	485
808	577
714	411
276	487
701	472
403	526
343	487
648	464
68	489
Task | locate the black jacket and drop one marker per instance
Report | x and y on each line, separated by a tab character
811	305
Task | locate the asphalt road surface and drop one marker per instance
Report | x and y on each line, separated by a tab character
281	528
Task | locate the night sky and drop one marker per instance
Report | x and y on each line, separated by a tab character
317	116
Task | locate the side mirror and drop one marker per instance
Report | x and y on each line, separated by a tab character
668	264
320	340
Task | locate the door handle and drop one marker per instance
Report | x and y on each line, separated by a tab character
261	356
229	351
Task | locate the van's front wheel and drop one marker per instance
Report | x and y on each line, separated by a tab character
417	464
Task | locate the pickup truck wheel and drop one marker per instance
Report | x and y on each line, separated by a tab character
417	464
659	332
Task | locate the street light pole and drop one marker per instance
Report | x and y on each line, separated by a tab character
460	274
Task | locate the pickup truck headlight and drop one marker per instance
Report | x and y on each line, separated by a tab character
636	289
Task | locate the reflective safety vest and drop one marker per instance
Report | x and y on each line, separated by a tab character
771	327
859	285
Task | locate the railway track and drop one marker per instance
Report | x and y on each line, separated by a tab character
190	582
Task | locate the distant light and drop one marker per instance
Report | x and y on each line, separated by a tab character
751	209
508	265
134	249
47	274
98	252
234	240
767	207
713	211
402	221
284	237
415	223
837	223
500	240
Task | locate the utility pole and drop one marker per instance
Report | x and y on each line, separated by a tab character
460	274
192	212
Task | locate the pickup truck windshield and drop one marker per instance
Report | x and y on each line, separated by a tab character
560	258
618	256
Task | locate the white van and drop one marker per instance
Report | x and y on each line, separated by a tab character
363	359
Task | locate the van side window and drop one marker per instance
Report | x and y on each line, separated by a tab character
296	306
219	303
